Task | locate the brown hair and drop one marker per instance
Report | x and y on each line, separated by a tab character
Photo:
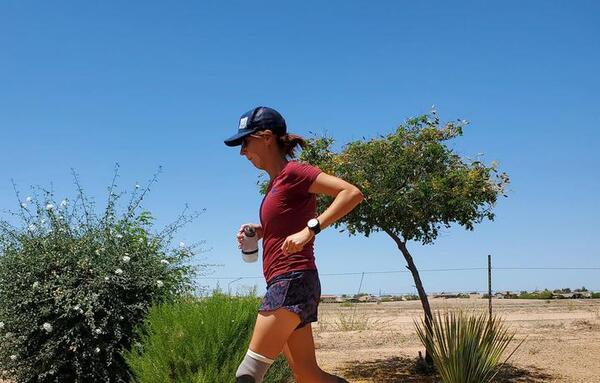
288	143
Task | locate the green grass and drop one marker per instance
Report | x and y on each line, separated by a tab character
198	341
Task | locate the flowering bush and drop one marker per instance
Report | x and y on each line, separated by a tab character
73	285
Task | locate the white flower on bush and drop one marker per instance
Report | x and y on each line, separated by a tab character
164	261
13	357
49	207
47	326
76	308
181	244
35	285
121	317
97	251
159	283
118	271
137	186
64	203
43	221
28	199
126	259
98	331
23	204
32	227
1	325
119	236
106	278
8	335
97	350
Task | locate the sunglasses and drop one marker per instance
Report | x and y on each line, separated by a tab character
245	140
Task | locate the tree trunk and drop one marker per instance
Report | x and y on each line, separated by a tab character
418	284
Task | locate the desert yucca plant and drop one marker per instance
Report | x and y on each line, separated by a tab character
466	348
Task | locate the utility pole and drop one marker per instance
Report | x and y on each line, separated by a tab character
490	283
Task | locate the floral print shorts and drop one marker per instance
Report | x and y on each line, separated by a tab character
296	291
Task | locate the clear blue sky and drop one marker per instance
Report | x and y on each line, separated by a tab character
146	83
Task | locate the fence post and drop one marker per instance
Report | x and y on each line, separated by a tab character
490	283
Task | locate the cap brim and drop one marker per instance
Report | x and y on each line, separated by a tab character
236	140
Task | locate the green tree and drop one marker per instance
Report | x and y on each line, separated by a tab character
414	184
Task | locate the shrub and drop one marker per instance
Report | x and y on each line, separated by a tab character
465	348
546	294
73	285
198	340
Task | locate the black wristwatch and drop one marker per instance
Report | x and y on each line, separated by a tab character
314	226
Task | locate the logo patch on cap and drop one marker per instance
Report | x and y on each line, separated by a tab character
243	123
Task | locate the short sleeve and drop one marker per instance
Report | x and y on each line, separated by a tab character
302	175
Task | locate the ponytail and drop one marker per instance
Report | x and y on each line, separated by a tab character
288	143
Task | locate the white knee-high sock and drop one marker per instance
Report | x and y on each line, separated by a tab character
253	366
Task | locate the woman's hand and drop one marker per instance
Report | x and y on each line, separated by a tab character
295	242
240	234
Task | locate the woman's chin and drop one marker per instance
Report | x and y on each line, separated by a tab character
256	163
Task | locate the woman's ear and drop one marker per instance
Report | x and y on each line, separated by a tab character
270	137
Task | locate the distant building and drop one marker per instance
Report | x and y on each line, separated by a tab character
368	298
451	295
330	299
573	295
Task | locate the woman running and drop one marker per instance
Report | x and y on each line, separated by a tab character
288	226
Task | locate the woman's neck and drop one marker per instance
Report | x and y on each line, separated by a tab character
276	166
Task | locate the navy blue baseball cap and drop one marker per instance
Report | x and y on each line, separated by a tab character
259	118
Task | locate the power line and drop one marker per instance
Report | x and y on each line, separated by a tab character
423	270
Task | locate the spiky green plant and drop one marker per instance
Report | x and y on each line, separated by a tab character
466	348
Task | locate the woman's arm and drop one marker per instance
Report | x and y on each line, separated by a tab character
346	197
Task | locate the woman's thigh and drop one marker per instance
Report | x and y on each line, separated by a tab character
272	330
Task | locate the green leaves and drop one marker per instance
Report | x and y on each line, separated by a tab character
89	278
466	348
413	183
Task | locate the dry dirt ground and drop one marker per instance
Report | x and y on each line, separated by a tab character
562	339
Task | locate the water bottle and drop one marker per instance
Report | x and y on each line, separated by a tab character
250	244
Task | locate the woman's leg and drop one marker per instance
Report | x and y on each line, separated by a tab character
272	330
270	334
300	354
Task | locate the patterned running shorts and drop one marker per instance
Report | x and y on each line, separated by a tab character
296	291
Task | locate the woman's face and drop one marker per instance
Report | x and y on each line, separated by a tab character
255	147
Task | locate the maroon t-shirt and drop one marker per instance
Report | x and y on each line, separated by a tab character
285	210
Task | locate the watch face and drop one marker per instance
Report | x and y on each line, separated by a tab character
313	223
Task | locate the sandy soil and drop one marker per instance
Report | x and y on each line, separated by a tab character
562	339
